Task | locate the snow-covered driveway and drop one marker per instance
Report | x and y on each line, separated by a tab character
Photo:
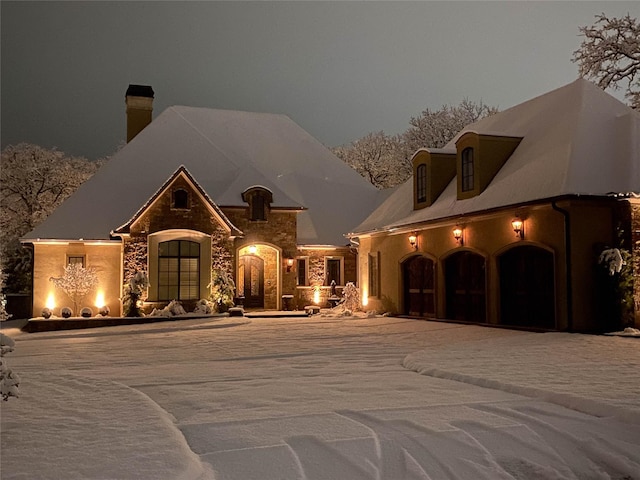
322	398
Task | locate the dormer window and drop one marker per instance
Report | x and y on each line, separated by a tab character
180	199
421	183
259	199
467	169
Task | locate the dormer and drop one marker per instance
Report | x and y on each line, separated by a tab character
479	158
259	200
433	169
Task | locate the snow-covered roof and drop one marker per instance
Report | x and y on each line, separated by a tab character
577	140
226	152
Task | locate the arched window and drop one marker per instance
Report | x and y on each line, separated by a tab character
421	183
467	169
178	270
258	199
180	199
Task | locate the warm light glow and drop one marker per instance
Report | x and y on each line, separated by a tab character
365	297
457	233
253	249
51	301
316	295
413	240
289	262
518	225
100	299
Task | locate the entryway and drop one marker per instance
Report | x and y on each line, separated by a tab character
419	276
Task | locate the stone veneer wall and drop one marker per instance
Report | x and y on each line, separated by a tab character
635	257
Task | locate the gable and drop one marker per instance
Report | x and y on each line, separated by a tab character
180	203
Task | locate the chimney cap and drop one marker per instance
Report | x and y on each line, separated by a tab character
139	91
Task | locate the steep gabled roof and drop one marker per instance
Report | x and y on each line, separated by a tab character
213	208
226	152
577	140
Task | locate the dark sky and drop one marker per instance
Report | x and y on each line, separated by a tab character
339	69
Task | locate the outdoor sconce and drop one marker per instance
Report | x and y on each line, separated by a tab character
518	227
457	234
253	249
413	240
289	264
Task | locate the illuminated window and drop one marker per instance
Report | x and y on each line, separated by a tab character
421	183
178	270
467	169
181	199
76	259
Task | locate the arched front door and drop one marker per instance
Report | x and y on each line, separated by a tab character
251	281
419	275
527	287
465	287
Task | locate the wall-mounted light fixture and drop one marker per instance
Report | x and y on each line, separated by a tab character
289	264
518	227
457	234
413	240
253	249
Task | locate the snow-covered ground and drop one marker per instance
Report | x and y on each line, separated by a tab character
321	398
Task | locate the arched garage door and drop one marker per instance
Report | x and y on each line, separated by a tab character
527	287
465	287
419	275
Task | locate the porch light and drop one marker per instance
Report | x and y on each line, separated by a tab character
457	234
289	264
253	249
413	240
518	227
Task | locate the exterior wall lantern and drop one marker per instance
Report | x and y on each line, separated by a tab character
253	249
289	264
413	240
457	234
518	227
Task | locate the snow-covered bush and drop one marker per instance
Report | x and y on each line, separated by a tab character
76	282
86	312
9	381
222	290
132	293
351	295
174	308
104	310
46	313
4	315
204	307
66	312
612	260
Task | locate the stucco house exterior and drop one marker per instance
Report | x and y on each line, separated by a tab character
195	189
505	225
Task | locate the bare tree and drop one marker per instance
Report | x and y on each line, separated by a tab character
610	55
386	160
76	282
34	181
377	157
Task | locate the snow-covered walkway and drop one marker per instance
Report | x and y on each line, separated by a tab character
322	398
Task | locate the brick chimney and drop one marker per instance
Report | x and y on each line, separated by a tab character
139	101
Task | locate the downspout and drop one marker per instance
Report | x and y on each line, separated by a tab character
568	265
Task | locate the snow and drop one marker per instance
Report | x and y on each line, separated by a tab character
322	398
226	152
576	140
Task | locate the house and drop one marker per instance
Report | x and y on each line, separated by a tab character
506	224
198	189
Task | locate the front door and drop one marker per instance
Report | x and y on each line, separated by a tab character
251	281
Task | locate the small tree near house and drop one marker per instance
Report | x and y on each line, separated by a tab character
76	282
222	289
132	293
